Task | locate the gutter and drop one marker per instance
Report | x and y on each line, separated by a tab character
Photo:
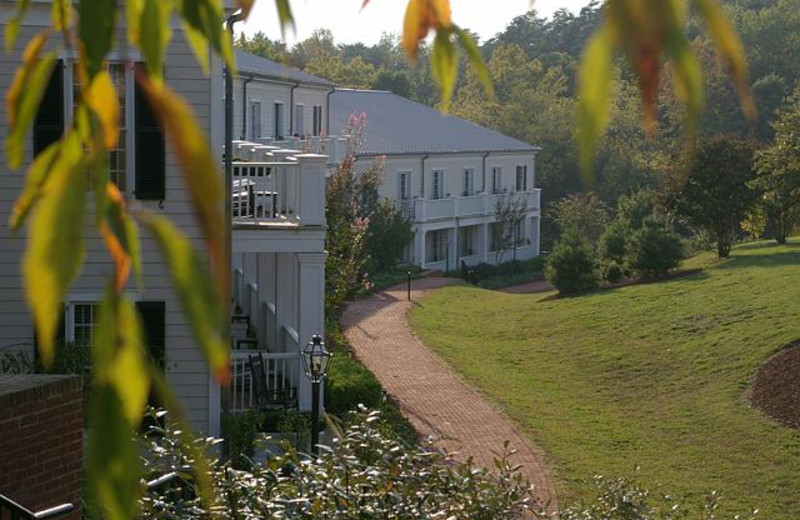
422	184
291	109
244	107
328	112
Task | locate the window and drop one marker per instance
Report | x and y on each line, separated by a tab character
437	245
117	156
522	178
437	188
466	241
317	120
469	182
84	321
277	130
299	121
497	174
404	191
255	120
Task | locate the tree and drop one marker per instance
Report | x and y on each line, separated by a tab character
653	249
778	174
509	212
715	196
583	213
572	265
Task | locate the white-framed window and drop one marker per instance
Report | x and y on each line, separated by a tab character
437	245
437	184
469	182
277	127
120	157
255	119
466	241
299	120
82	322
317	123
497	175
522	178
404	189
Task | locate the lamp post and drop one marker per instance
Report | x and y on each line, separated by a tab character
315	363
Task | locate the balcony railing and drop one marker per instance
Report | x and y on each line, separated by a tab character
265	191
481	204
282	374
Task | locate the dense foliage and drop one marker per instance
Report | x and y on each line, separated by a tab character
367	474
572	265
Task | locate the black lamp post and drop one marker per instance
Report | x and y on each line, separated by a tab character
315	363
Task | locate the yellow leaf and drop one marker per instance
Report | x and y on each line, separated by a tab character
12	26
444	65
101	97
121	235
594	92
55	251
25	95
199	166
193	284
421	16
34	180
61	15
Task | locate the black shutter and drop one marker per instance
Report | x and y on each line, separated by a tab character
153	316
150	150
49	123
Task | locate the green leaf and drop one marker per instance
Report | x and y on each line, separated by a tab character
13	24
730	48
121	234
200	301
444	65
156	34
119	356
55	250
61	15
34	180
285	16
594	92
476	60
114	469
102	99
96	27
687	77
25	95
199	166
202	24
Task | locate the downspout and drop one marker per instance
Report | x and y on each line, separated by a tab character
422	184
244	107
291	109
328	112
484	172
228	255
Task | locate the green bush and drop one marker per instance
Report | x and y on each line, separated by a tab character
368	474
572	266
611	271
240	432
613	242
654	249
349	384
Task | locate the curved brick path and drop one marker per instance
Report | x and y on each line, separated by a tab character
435	400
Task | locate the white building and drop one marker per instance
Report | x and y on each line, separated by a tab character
278	229
447	175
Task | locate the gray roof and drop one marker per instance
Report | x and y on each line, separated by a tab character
252	64
398	126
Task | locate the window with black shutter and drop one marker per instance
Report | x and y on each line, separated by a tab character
150	151
49	123
153	315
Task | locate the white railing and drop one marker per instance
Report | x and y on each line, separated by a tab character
481	204
282	372
265	191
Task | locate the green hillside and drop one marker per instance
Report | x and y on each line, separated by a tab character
651	375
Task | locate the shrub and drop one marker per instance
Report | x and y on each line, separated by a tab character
368	474
611	271
654	249
572	266
240	432
613	241
349	384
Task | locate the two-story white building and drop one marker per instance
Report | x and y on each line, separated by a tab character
278	227
447	175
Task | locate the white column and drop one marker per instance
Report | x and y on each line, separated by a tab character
419	248
311	291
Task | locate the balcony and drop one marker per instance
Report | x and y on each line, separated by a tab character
479	205
277	188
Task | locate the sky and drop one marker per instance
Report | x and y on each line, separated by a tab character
349	24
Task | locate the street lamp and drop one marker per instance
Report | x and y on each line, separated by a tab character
315	363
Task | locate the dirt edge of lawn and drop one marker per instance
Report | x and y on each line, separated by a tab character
776	388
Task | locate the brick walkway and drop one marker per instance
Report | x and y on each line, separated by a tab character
436	401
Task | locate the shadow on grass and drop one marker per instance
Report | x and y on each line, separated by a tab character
778	259
691	275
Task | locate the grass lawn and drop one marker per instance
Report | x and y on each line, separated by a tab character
651	375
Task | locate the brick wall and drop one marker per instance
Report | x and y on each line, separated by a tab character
41	440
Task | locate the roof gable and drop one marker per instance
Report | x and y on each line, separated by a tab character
250	63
